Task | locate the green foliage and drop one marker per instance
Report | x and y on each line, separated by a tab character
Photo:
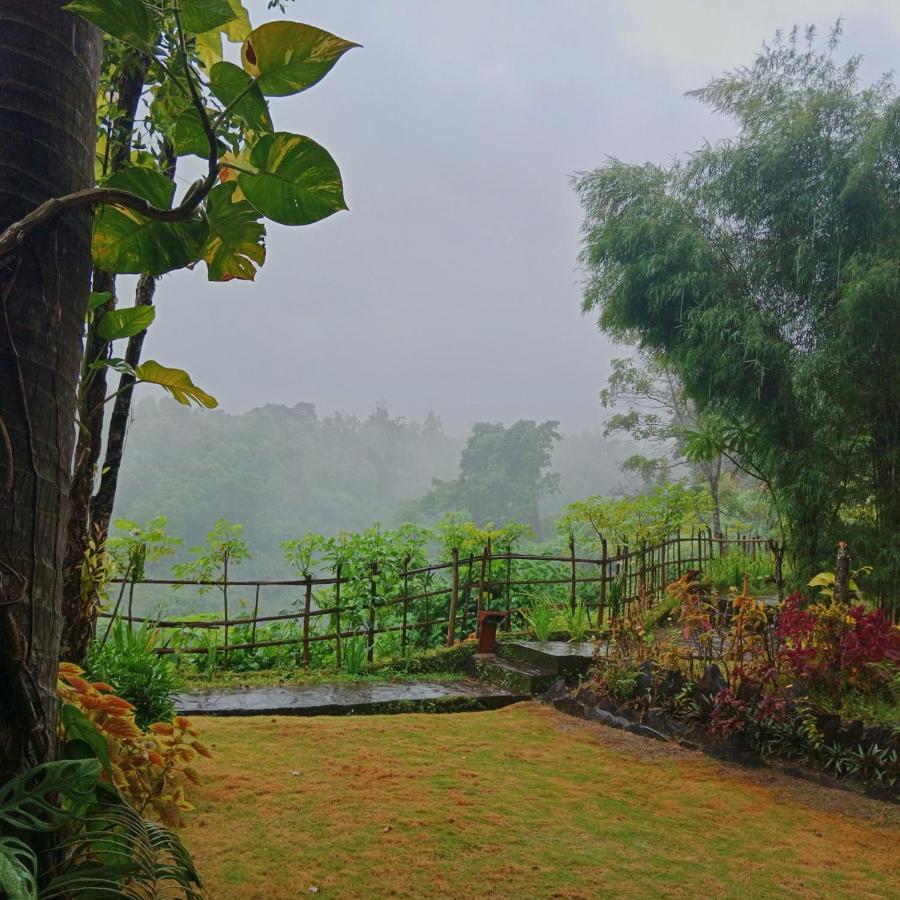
225	547
576	621
354	654
540	616
106	848
286	57
236	243
139	544
292	180
176	382
502	475
728	571
125	660
764	268
645	518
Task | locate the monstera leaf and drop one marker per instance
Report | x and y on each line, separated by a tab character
236	236
292	180
127	242
176	381
287	57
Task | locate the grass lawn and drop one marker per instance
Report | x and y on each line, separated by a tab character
519	803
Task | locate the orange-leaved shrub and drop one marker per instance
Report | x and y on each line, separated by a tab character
150	766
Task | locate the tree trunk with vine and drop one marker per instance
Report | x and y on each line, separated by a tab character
51	62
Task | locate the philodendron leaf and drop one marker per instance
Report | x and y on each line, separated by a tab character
229	82
296	181
128	20
17	867
123	323
287	57
127	242
198	16
236	236
30	801
177	382
188	135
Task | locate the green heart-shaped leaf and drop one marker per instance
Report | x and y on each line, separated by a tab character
122	323
287	57
296	181
229	82
127	242
198	16
128	20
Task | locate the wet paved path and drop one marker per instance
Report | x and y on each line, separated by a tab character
347	699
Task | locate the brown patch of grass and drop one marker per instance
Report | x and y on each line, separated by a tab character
518	803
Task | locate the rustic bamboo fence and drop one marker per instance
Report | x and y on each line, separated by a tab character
449	595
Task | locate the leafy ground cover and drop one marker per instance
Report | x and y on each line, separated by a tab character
521	802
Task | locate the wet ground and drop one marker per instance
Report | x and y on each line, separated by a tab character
347	699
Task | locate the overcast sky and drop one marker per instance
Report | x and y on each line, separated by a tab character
451	284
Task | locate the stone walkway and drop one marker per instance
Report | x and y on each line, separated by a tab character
361	698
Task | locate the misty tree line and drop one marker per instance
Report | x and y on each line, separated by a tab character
287	470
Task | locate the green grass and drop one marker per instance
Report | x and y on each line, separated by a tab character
518	803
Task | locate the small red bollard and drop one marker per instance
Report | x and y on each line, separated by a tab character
488	620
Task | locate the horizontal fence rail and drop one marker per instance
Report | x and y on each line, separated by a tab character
443	599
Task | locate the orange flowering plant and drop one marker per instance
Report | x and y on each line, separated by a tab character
150	767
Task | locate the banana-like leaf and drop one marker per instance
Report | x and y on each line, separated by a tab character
129	20
287	57
296	182
123	323
236	236
127	242
18	865
29	802
198	16
177	382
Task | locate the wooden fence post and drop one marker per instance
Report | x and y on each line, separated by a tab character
842	573
573	601
604	565
337	616
454	598
405	603
485	556
373	593
225	603
255	616
507	625
307	608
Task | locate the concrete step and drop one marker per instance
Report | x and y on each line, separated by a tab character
561	658
511	674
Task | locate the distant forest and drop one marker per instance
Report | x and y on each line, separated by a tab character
282	471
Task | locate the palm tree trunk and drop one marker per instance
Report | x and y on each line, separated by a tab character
50	62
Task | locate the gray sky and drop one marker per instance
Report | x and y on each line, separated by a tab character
451	285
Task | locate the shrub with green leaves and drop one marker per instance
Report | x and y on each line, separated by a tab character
125	660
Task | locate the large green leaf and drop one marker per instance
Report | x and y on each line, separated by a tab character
236	236
189	136
29	801
177	382
78	727
17	867
228	82
127	242
198	16
287	57
128	20
122	323
295	182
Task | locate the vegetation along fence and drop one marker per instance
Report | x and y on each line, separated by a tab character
435	605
